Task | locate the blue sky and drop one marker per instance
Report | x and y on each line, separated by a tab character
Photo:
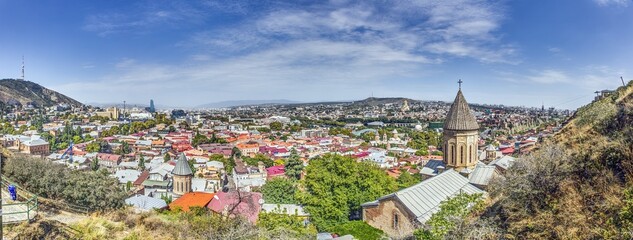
187	53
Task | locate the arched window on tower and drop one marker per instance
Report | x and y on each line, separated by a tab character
461	153
453	154
470	153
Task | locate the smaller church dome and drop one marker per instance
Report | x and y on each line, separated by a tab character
182	166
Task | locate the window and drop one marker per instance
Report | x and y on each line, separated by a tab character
453	154
461	154
470	153
396	221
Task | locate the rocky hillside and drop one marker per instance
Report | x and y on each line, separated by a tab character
579	185
13	91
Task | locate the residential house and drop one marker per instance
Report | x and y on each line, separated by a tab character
245	176
275	171
191	199
109	160
249	148
245	204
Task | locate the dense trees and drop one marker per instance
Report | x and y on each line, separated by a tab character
277	221
202	139
293	166
88	189
358	229
406	180
340	130
335	186
280	191
452	212
254	161
276	126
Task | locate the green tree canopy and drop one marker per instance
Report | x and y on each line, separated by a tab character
335	187
406	180
451	211
280	190
254	161
276	126
294	165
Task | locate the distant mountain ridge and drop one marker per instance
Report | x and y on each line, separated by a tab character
237	103
373	101
14	91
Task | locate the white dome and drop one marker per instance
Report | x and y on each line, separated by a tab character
418	127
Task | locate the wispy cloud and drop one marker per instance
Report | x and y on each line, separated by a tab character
592	77
554	50
620	3
333	48
142	18
550	76
435	29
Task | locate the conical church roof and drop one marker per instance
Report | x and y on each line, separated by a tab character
460	117
182	166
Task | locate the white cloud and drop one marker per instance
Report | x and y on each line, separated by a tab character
592	77
554	50
550	76
440	28
125	63
621	3
304	52
140	19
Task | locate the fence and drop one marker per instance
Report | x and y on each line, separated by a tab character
23	210
47	202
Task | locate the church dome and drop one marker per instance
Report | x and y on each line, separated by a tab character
459	116
182	166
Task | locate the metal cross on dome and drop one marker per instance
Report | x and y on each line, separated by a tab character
460	84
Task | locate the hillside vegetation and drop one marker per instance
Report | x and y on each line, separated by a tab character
24	92
578	185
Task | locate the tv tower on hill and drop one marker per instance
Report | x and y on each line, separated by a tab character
22	67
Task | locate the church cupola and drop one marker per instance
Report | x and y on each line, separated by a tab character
461	135
182	175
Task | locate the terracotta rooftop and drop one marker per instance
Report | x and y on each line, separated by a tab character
192	199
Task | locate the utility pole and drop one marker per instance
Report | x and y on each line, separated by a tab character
622	81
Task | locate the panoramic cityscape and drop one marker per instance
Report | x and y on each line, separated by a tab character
316	120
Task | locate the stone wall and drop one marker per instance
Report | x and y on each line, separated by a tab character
383	217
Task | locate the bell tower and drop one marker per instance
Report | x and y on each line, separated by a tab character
461	134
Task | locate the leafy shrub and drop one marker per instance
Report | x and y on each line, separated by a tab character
359	229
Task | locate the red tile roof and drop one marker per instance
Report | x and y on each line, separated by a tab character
192	199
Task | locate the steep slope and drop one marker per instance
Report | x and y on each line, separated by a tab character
13	90
580	184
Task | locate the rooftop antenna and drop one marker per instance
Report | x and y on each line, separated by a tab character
620	79
23	67
460	84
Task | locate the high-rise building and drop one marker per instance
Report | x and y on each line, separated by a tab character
152	109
